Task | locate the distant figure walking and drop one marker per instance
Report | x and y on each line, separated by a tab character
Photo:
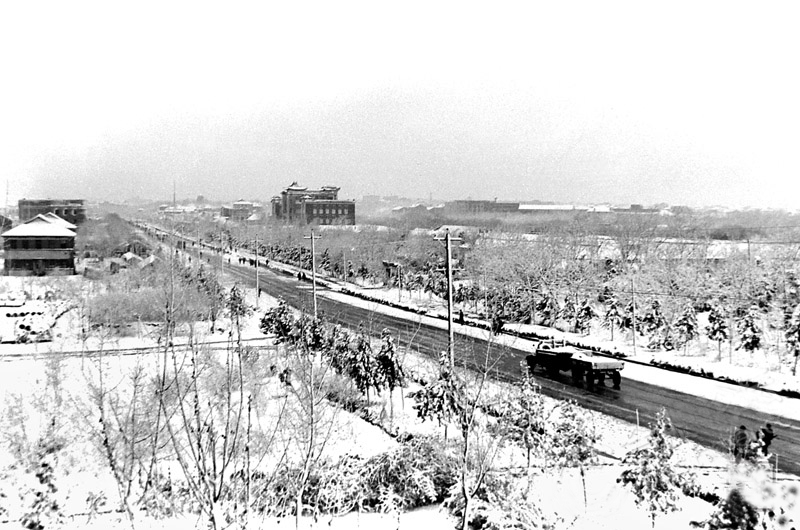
756	447
740	442
767	436
461	316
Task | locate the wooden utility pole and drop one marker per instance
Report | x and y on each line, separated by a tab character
313	237
449	265
633	318
258	289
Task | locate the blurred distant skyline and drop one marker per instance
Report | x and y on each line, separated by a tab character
683	103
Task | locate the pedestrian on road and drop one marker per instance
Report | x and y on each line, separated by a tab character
767	436
740	442
756	447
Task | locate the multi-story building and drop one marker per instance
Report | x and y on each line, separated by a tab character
472	206
71	210
42	245
298	204
239	211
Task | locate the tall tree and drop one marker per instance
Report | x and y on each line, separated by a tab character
584	317
749	331
793	336
613	316
717	328
686	325
652	475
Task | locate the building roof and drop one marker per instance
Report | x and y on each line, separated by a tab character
549	207
39	226
53	217
294	186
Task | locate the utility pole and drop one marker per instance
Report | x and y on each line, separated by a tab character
449	265
313	237
399	282
633	319
258	289
221	251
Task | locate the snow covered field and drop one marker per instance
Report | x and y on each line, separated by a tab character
82	474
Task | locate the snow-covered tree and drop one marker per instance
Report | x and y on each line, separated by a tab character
613	316
443	400
653	320
734	513
391	374
717	328
749	331
362	366
568	311
686	325
548	309
325	262
793	336
525	422
572	441
583	319
651	474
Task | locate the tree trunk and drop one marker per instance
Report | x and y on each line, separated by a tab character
465	515
298	508
391	410
583	481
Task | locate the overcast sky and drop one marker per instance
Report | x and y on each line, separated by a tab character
691	103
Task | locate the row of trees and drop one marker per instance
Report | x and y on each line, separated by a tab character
561	279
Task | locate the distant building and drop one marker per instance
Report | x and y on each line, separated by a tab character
42	245
71	210
298	204
470	206
550	208
636	209
239	211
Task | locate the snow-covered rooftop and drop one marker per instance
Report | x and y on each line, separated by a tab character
39	226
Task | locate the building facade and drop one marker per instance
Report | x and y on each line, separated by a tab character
39	246
71	210
239	211
298	204
472	206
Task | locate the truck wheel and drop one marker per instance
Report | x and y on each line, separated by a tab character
601	379
616	378
589	378
577	376
531	360
551	369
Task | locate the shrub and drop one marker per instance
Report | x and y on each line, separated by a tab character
419	473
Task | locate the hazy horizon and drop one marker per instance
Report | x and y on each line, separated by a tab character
579	103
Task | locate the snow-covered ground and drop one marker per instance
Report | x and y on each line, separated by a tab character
766	402
609	504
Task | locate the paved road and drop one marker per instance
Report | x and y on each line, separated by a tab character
707	422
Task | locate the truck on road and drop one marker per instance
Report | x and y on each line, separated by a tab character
583	364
